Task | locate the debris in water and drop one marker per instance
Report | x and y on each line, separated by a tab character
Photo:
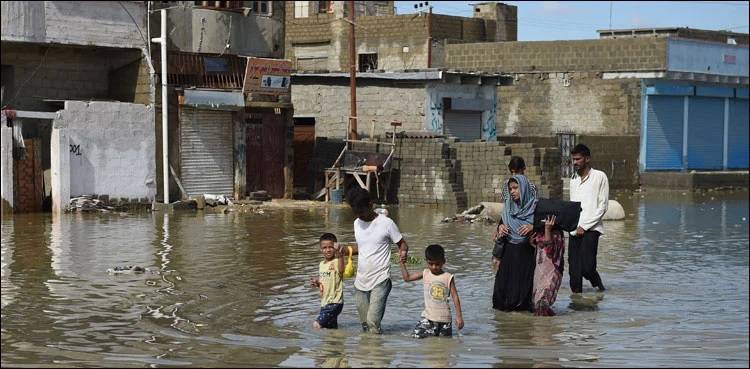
126	269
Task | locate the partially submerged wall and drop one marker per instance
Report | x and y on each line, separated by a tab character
7	166
105	149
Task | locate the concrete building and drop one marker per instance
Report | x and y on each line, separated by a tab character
230	115
77	92
644	101
317	34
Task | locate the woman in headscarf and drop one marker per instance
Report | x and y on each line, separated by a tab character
550	248
515	277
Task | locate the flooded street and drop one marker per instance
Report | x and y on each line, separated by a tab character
231	290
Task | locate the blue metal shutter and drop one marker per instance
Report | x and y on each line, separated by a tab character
705	133
737	153
664	132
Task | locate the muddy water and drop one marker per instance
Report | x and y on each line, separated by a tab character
229	290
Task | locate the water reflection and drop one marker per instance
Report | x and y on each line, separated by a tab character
230	289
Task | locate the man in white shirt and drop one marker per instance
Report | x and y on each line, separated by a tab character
374	234
590	187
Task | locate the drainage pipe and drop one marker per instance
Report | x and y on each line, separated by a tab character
164	104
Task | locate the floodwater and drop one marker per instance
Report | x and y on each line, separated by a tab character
231	290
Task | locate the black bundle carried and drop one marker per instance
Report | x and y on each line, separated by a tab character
566	213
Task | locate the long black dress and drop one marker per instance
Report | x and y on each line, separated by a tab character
514	281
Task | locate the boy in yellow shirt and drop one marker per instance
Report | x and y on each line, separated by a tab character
330	282
439	287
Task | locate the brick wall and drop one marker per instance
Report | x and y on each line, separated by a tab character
544	104
313	29
427	174
559	56
131	83
387	35
617	156
461	28
59	73
376	99
446	172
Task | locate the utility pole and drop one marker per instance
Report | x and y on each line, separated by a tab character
352	75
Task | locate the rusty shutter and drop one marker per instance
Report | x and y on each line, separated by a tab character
206	159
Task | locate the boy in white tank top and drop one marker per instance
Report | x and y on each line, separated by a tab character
439	287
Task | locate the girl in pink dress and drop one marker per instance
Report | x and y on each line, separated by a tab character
550	248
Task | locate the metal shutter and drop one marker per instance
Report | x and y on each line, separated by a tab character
737	152
206	157
705	133
664	132
465	125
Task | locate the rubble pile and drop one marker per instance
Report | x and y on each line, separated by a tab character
88	203
471	215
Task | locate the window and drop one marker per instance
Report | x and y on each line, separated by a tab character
325	6
219	4
260	7
301	9
368	62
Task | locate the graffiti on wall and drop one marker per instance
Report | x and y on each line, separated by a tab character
75	150
489	129
436	117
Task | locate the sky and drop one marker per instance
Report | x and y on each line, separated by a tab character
572	20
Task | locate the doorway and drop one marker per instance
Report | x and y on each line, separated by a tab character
304	146
265	151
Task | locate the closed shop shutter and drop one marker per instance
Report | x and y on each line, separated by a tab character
664	132
737	152
465	125
705	133
206	157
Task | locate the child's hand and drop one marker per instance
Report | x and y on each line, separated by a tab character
549	221
402	259
314	282
460	322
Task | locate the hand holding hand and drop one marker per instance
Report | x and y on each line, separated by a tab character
402	254
579	231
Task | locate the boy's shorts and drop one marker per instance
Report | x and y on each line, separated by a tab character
328	317
427	327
